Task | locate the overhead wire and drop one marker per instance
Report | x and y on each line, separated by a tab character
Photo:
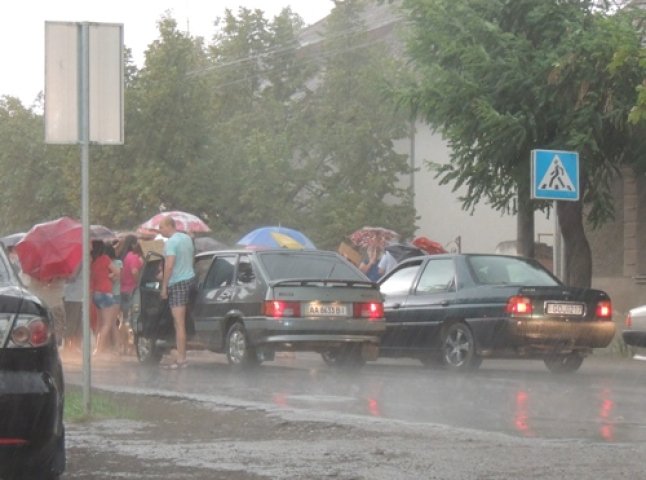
297	46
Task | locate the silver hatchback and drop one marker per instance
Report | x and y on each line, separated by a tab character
251	304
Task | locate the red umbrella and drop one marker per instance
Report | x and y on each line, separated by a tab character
185	222
429	246
54	249
374	236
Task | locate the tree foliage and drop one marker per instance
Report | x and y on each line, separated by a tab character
30	186
244	129
352	123
499	78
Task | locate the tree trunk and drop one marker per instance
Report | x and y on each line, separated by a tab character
525	224
578	257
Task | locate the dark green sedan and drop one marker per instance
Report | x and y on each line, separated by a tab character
457	309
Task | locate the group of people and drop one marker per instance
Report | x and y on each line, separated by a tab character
113	279
114	272
377	262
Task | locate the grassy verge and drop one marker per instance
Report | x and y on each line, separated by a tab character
102	405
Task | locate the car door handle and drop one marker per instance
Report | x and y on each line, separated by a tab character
442	303
395	305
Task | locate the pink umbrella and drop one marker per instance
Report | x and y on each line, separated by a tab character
373	236
185	222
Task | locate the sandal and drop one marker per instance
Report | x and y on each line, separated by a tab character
175	365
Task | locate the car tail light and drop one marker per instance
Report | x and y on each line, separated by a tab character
13	442
519	305
282	309
604	309
371	310
30	332
629	320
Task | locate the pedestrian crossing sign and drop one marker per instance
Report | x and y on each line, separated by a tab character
555	175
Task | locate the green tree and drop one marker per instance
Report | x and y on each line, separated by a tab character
499	78
258	79
167	135
30	186
351	125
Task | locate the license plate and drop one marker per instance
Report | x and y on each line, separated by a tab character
326	310
565	309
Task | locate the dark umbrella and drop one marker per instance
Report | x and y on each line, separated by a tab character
205	244
402	251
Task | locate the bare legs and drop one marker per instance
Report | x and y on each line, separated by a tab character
107	329
179	320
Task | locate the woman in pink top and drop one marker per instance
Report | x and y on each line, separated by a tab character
132	258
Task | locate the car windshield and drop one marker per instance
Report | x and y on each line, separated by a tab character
501	270
283	265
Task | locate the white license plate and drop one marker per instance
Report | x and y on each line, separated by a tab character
326	310
565	309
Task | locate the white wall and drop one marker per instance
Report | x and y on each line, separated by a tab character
441	216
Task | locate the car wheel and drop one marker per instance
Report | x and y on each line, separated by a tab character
48	464
564	363
345	357
147	351
331	356
459	348
239	353
58	465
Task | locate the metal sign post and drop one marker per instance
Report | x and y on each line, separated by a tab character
83	104
84	138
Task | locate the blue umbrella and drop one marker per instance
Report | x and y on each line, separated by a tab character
276	237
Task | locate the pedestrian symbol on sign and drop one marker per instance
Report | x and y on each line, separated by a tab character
555	175
556	178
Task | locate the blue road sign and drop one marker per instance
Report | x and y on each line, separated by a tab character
555	175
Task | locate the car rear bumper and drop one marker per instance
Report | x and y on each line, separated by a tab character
31	406
551	333
313	335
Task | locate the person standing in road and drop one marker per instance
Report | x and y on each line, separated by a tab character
117	265
133	259
370	265
101	273
178	281
73	305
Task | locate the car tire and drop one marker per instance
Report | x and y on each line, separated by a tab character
59	463
344	357
567	363
239	353
331	356
459	348
147	351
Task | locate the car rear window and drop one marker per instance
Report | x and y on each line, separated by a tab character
500	270
285	265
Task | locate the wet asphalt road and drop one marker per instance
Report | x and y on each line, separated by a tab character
602	402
